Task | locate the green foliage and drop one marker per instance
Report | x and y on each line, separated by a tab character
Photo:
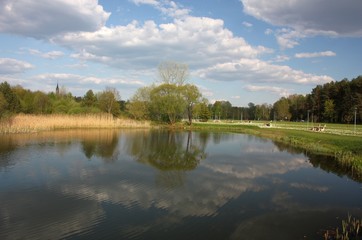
108	101
65	104
191	96
139	105
346	96
332	102
138	109
297	107
89	99
167	103
204	112
329	110
13	103
222	110
3	104
281	108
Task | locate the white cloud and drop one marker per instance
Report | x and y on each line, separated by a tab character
283	92
193	40
300	19
13	66
53	54
255	70
206	92
247	24
315	54
281	58
48	55
167	7
327	17
288	38
150	2
44	18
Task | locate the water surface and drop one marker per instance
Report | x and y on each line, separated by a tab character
142	184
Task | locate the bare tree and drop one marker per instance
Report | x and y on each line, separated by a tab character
173	73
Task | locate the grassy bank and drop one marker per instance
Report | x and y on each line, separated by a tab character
34	123
347	149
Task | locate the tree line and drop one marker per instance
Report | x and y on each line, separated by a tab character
334	102
16	99
173	99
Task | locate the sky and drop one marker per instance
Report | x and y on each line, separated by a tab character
239	51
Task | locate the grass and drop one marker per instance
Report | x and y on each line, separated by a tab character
35	123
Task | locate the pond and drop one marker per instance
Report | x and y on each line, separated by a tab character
153	184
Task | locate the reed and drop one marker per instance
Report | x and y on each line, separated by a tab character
24	123
350	229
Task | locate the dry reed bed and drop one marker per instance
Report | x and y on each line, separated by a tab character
34	123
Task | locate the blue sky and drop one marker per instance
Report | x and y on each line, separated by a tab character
237	50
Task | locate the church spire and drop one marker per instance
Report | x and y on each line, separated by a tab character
57	89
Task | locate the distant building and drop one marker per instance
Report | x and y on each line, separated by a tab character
57	89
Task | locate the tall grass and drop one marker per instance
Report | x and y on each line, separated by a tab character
34	123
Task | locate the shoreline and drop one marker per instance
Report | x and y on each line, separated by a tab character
346	149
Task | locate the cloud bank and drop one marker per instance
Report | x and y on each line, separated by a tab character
300	19
313	17
42	18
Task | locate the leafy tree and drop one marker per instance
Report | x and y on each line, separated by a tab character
262	112
3	104
139	105
25	98
191	96
89	99
329	110
251	111
13	103
217	109
281	108
204	112
297	107
108	101
66	105
167	102
41	103
226	110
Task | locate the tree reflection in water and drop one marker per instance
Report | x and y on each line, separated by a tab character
101	144
168	150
